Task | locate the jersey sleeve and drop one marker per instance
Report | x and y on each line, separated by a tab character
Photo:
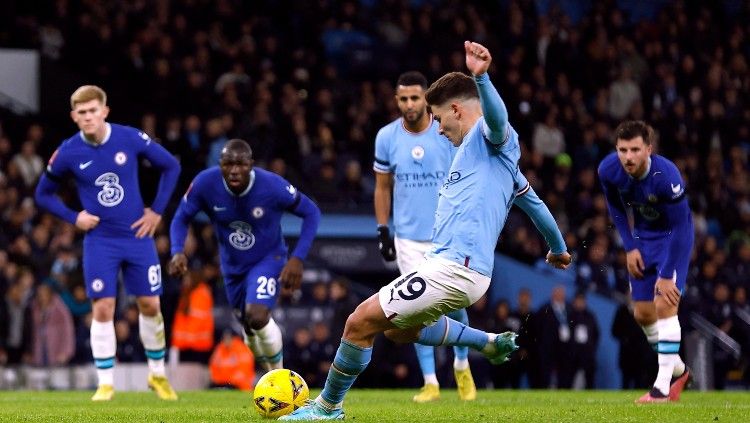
495	125
190	204
382	163
57	165
670	188
169	166
616	208
300	205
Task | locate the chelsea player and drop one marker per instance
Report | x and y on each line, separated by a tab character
483	183
658	246
411	162
245	205
103	160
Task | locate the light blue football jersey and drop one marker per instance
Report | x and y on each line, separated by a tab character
475	200
419	163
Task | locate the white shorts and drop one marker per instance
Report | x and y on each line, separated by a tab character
436	287
410	254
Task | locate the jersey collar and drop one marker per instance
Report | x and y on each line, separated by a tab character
648	170
249	185
107	134
403	125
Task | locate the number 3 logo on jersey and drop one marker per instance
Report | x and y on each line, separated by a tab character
242	238
112	192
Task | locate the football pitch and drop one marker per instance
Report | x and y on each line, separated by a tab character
381	406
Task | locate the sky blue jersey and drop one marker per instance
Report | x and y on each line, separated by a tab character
659	205
474	201
106	177
419	163
248	225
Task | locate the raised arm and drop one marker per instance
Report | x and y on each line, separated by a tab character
478	61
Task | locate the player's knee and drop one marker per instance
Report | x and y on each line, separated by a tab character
256	317
103	309
149	306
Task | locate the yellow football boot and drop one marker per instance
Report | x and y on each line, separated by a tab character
429	392
161	386
104	393
467	391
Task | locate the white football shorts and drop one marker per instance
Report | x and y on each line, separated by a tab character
436	287
410	254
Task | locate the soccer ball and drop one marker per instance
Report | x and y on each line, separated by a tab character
280	392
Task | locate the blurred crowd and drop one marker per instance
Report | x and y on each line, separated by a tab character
308	84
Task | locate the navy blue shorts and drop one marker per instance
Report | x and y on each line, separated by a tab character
259	285
654	252
103	258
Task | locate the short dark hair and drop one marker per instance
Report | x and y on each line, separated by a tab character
454	85
633	128
412	78
237	146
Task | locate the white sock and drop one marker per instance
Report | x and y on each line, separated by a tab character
152	336
669	351
252	342
489	348
460	363
431	379
270	342
652	334
103	347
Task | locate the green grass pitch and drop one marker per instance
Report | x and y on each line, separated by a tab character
383	406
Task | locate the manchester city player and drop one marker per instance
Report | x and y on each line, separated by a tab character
658	246
483	183
411	163
245	205
103	158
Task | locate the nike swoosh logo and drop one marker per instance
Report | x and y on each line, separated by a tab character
676	189
218	209
85	165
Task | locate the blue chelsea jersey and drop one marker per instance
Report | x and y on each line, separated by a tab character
419	163
106	176
653	198
248	225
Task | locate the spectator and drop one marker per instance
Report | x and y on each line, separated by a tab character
232	365
53	340
585	339
193	328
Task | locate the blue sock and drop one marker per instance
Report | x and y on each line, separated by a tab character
426	358
349	362
461	353
450	332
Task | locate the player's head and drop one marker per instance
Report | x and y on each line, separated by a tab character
89	110
236	161
454	101
410	89
633	144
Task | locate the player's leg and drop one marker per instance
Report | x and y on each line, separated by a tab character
409	254
351	359
425	296
142	277
263	335
467	390
669	342
101	264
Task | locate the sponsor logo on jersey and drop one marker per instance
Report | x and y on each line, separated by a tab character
242	238
85	165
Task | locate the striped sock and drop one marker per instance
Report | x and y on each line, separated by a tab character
103	347
669	351
349	362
